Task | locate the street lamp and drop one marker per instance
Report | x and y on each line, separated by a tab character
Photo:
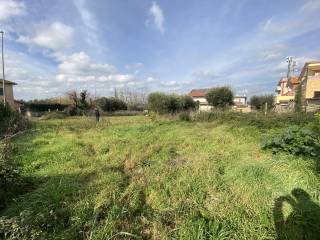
3	79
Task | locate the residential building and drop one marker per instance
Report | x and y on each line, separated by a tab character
240	100
9	92
285	93
310	85
199	95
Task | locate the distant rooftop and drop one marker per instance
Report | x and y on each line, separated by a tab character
198	92
8	82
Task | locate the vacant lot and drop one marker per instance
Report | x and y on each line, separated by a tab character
131	178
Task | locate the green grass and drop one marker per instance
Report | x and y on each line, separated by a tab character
131	178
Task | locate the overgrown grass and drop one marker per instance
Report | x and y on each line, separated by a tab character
133	178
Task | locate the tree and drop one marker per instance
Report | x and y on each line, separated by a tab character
83	103
172	103
258	102
111	104
298	99
157	102
220	97
73	96
187	103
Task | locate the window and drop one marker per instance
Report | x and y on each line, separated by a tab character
317	94
1	91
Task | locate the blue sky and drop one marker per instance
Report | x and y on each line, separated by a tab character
52	47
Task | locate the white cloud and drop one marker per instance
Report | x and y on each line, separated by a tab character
136	65
204	74
312	6
55	36
80	68
86	16
158	18
9	8
170	84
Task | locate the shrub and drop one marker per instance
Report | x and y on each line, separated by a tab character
220	97
172	103
111	104
157	102
294	140
185	116
187	103
11	121
258	102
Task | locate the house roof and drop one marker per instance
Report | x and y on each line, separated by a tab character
311	65
8	82
294	80
198	92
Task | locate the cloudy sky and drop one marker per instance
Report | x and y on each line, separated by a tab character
52	47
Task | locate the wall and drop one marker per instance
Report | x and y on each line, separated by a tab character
9	95
313	84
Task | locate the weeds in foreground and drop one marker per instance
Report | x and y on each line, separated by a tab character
131	178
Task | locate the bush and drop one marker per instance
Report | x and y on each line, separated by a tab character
294	140
11	121
220	97
111	104
187	103
157	102
258	102
172	103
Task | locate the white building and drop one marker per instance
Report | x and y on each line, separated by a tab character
199	95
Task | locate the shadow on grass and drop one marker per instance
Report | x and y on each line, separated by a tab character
303	221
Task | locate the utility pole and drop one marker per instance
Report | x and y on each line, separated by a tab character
3	78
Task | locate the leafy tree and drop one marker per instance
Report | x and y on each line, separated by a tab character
111	104
258	102
83	103
187	103
157	102
220	97
173	103
162	103
298	99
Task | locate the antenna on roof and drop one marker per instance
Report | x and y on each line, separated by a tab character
292	64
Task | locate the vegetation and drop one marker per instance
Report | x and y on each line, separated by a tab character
298	99
172	103
11	121
133	178
258	102
81	103
295	140
220	97
256	119
111	104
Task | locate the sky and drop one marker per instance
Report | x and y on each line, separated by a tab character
52	47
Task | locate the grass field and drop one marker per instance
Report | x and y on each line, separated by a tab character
131	178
